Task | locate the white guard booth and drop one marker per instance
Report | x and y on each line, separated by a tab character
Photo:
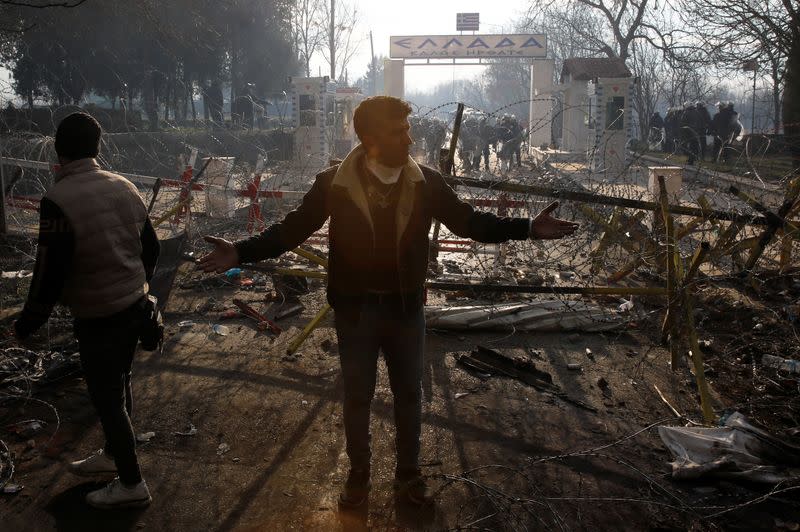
342	134
309	103
611	116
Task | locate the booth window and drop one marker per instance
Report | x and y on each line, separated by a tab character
308	110
615	113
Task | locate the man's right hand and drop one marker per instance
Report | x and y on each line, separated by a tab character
222	258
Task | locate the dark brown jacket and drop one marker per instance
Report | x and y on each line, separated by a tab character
337	194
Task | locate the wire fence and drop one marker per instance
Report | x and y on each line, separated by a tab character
616	244
621	243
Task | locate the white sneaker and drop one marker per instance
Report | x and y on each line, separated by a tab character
116	495
98	463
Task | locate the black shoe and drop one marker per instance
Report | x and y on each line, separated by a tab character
356	488
412	487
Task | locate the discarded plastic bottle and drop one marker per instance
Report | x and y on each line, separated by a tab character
784	364
233	273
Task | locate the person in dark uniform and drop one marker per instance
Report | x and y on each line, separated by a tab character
488	136
704	123
671	130
656	131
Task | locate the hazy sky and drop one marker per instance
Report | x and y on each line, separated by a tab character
424	17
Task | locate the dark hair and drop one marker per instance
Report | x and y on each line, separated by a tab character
373	112
78	137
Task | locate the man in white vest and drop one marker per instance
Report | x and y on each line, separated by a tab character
96	252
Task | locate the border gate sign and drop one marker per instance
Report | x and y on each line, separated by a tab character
467	46
468	21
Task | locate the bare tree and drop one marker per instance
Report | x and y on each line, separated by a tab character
630	30
732	33
608	27
572	31
308	33
647	65
340	21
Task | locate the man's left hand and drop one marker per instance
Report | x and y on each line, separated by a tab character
547	227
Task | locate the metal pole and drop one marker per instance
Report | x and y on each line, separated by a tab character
3	225
753	111
372	62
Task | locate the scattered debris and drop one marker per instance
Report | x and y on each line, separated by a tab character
672	408
626	305
546	315
185	324
223	448
10	489
290	310
477	369
736	450
459	395
191	431
23	366
6	469
574	366
26	429
233	273
145	437
19	274
264	323
784	364
486	362
221	330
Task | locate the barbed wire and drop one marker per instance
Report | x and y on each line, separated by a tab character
614	246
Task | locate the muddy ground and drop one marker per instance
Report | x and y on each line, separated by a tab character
501	454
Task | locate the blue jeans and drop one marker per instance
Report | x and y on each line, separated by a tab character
400	335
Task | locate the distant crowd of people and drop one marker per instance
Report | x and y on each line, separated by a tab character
685	130
477	138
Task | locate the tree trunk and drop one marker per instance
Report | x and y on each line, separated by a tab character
176	95
150	101
791	101
194	109
235	118
187	95
332	40
167	89
30	99
776	100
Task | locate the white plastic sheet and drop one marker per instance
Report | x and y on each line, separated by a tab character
737	450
